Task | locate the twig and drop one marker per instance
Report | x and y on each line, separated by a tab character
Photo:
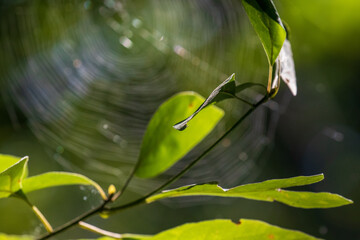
177	176
142	200
42	219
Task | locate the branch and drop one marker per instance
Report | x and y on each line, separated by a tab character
76	220
177	176
142	200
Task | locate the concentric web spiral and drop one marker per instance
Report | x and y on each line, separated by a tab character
88	75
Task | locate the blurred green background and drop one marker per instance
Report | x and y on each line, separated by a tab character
80	80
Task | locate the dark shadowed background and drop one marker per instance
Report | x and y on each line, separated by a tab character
79	80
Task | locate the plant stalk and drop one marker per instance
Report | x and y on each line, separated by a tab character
42	219
20	194
177	176
270	79
142	200
75	220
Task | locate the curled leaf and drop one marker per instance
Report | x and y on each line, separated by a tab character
287	67
225	90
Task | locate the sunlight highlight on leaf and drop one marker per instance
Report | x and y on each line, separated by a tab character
55	179
163	145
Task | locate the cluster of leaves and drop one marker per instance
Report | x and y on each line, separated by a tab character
15	183
165	143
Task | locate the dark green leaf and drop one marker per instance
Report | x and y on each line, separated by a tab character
243	86
268	26
270	190
11	177
163	145
53	179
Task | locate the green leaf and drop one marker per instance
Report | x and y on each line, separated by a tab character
14	172
4	236
270	190
7	161
226	89
268	26
163	145
243	86
54	179
11	177
245	229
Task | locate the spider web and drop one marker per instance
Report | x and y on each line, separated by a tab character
88	76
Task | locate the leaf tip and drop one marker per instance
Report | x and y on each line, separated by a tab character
181	126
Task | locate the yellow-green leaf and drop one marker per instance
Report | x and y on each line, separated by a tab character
4	236
270	190
7	161
162	145
11	177
54	179
244	229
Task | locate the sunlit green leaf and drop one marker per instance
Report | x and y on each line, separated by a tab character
267	24
53	179
14	172
4	236
270	190
163	145
11	177
244	229
7	161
